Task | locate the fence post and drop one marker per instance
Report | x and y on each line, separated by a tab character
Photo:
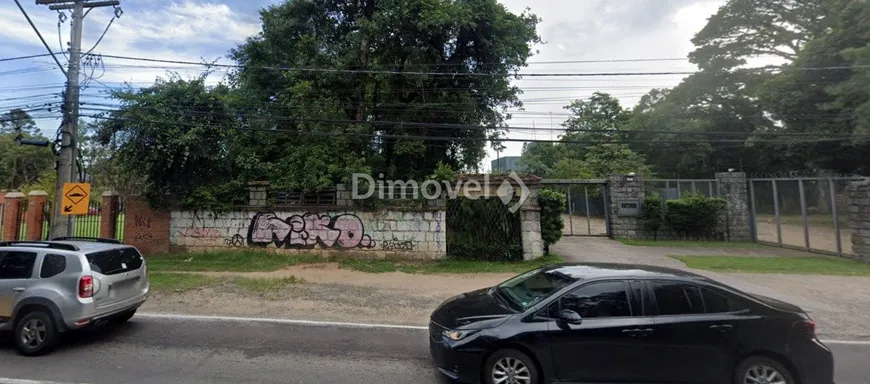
11	208
776	213
804	214
109	214
35	215
570	211
2	210
834	213
732	188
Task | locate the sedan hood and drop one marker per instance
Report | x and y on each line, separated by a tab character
473	310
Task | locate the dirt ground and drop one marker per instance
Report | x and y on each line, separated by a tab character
330	294
821	237
841	305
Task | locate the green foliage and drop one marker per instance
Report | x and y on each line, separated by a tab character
653	216
469	36
482	230
552	205
601	152
21	165
695	216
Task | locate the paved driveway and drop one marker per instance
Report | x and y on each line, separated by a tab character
841	305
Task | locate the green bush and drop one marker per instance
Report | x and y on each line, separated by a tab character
483	230
552	205
695	216
653	216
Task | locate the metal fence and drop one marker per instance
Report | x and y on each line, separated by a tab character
802	213
670	189
586	212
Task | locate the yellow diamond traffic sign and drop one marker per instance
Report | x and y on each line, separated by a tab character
75	198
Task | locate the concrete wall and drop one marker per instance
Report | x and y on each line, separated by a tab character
412	235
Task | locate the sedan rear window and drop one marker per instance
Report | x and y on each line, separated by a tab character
115	261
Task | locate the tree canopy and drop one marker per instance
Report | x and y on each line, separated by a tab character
329	88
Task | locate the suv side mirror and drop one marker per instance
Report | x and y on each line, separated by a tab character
570	317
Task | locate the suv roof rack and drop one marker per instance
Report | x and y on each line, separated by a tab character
40	244
81	238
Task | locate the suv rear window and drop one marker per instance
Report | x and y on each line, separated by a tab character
115	261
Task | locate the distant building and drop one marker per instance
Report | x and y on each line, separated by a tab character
506	164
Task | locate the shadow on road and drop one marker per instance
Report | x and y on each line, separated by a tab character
82	338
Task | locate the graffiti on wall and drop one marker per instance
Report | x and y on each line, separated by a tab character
398	245
211	233
308	231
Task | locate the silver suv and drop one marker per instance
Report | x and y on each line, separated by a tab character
49	287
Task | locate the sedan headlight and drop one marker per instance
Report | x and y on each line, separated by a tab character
456	335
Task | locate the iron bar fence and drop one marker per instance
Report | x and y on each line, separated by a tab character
21	224
670	189
809	213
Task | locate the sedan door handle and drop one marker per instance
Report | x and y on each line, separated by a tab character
18	290
631	330
722	327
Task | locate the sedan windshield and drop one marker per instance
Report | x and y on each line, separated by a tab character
526	290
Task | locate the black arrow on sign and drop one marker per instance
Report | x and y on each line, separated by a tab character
68	208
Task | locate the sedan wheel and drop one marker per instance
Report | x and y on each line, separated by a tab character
509	366
760	370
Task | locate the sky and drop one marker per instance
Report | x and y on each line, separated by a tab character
196	30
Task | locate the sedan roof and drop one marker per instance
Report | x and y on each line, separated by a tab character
586	271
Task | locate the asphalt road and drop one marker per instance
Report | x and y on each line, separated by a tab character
153	350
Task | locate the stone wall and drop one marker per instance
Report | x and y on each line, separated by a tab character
859	218
408	235
734	223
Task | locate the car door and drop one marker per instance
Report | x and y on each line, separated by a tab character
611	343
16	270
695	332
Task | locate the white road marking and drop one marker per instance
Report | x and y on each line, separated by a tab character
172	316
847	342
20	381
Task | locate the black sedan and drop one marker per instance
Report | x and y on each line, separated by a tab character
619	323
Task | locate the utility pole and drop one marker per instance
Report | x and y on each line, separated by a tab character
66	165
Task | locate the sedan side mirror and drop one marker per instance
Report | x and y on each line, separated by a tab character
570	317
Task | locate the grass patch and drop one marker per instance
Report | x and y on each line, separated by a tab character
229	261
690	244
262	285
790	265
180	282
446	266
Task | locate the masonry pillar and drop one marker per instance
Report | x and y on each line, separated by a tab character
35	215
530	221
626	191
146	228
732	187
859	218
109	214
11	208
258	191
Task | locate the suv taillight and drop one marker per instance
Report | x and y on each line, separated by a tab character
86	287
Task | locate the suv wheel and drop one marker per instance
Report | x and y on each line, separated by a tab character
35	333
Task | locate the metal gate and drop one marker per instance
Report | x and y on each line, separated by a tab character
809	213
587	205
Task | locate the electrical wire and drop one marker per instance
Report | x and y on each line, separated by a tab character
24	57
478	127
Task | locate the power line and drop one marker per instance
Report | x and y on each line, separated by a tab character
478	127
447	138
24	57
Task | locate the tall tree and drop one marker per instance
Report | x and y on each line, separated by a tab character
438	62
